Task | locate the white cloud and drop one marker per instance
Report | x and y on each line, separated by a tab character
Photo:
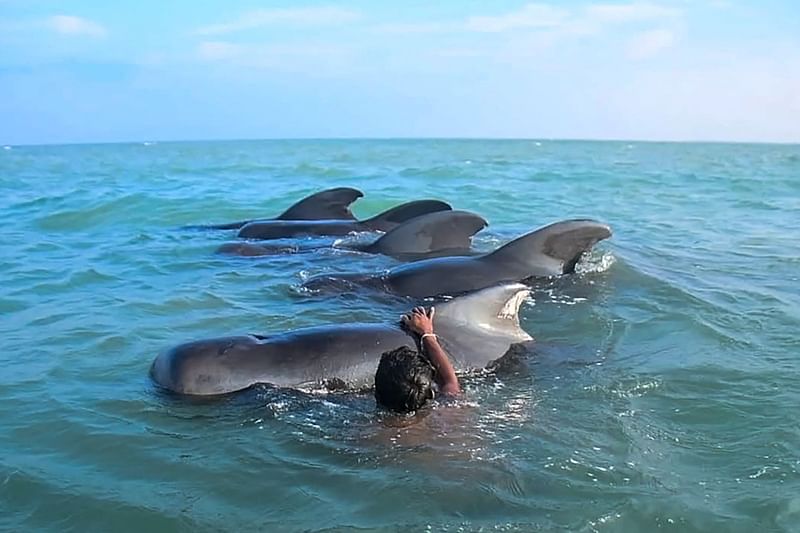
621	13
317	58
307	16
540	17
416	27
71	25
650	43
529	16
218	50
739	99
720	4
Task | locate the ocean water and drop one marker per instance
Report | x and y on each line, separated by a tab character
663	393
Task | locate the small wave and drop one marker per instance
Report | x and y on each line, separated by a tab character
76	280
627	389
304	275
553	296
603	520
440	172
11	306
99	213
319	171
303	291
595	262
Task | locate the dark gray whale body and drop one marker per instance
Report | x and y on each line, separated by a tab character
330	204
475	329
549	251
438	234
390	219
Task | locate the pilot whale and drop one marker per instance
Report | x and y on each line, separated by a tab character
475	329
330	204
438	234
549	251
389	219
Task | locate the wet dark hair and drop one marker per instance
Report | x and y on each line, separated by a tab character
404	380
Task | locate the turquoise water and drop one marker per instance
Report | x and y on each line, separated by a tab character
663	394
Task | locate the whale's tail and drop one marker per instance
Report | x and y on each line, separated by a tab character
397	215
330	204
480	327
494	310
552	250
429	235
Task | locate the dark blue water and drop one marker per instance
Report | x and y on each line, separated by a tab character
663	394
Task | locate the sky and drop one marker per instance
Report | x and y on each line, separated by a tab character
75	71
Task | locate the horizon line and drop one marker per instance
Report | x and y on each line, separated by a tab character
398	138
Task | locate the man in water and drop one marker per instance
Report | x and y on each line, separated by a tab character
405	378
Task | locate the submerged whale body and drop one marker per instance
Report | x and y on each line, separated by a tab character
474	329
438	234
388	220
330	204
549	251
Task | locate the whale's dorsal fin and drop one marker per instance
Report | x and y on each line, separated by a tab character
330	204
434	232
494	310
552	250
390	218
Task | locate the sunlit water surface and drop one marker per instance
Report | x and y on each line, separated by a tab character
663	392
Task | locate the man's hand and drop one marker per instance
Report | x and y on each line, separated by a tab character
419	320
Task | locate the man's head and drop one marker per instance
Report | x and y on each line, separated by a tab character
404	380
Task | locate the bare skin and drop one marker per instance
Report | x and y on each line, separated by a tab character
420	322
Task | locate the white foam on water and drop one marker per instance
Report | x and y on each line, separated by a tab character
595	263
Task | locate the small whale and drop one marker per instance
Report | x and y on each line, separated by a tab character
438	234
390	219
549	251
475	330
330	204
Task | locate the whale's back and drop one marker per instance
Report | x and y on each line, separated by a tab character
302	357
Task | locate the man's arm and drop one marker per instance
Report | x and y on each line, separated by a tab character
445	374
420	322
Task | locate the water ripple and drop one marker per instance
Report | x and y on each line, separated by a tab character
660	393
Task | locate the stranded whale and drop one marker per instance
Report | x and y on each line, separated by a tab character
549	251
330	204
439	234
475	329
282	229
